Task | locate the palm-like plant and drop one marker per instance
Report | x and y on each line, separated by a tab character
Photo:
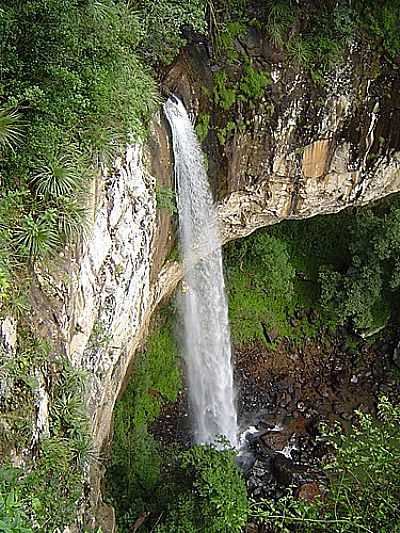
58	176
280	19
37	237
71	218
10	127
82	449
300	51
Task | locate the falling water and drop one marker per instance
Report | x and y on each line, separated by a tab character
207	347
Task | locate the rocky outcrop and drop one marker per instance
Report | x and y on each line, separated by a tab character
301	149
296	157
97	303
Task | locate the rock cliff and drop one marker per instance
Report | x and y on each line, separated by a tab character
301	152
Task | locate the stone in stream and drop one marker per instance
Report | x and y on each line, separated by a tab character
282	469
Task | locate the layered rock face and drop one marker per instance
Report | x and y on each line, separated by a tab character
307	158
298	155
301	149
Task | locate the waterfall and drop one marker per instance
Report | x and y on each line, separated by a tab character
207	347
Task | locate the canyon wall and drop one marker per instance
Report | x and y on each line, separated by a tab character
302	152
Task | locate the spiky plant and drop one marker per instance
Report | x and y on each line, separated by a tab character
17	304
106	144
58	176
280	19
71	218
67	413
11	127
300	51
37	237
82	449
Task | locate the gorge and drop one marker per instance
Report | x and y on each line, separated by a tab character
297	112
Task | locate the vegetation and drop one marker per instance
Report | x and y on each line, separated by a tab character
76	84
162	23
165	198
281	273
194	490
362	495
74	89
367	290
202	126
212	495
260	287
134	472
45	491
315	40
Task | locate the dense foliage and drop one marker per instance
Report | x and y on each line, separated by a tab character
71	71
45	491
362	494
134	471
285	271
366	291
211	494
74	89
260	287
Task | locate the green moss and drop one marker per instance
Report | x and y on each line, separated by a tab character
134	471
202	126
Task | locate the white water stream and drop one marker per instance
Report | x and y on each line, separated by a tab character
207	346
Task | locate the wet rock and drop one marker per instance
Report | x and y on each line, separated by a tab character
276	440
396	356
246	462
299	425
309	492
282	469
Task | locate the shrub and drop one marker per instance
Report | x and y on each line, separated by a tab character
281	16
162	23
260	286
365	291
362	494
215	498
224	94
202	126
10	127
70	79
253	83
44	494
